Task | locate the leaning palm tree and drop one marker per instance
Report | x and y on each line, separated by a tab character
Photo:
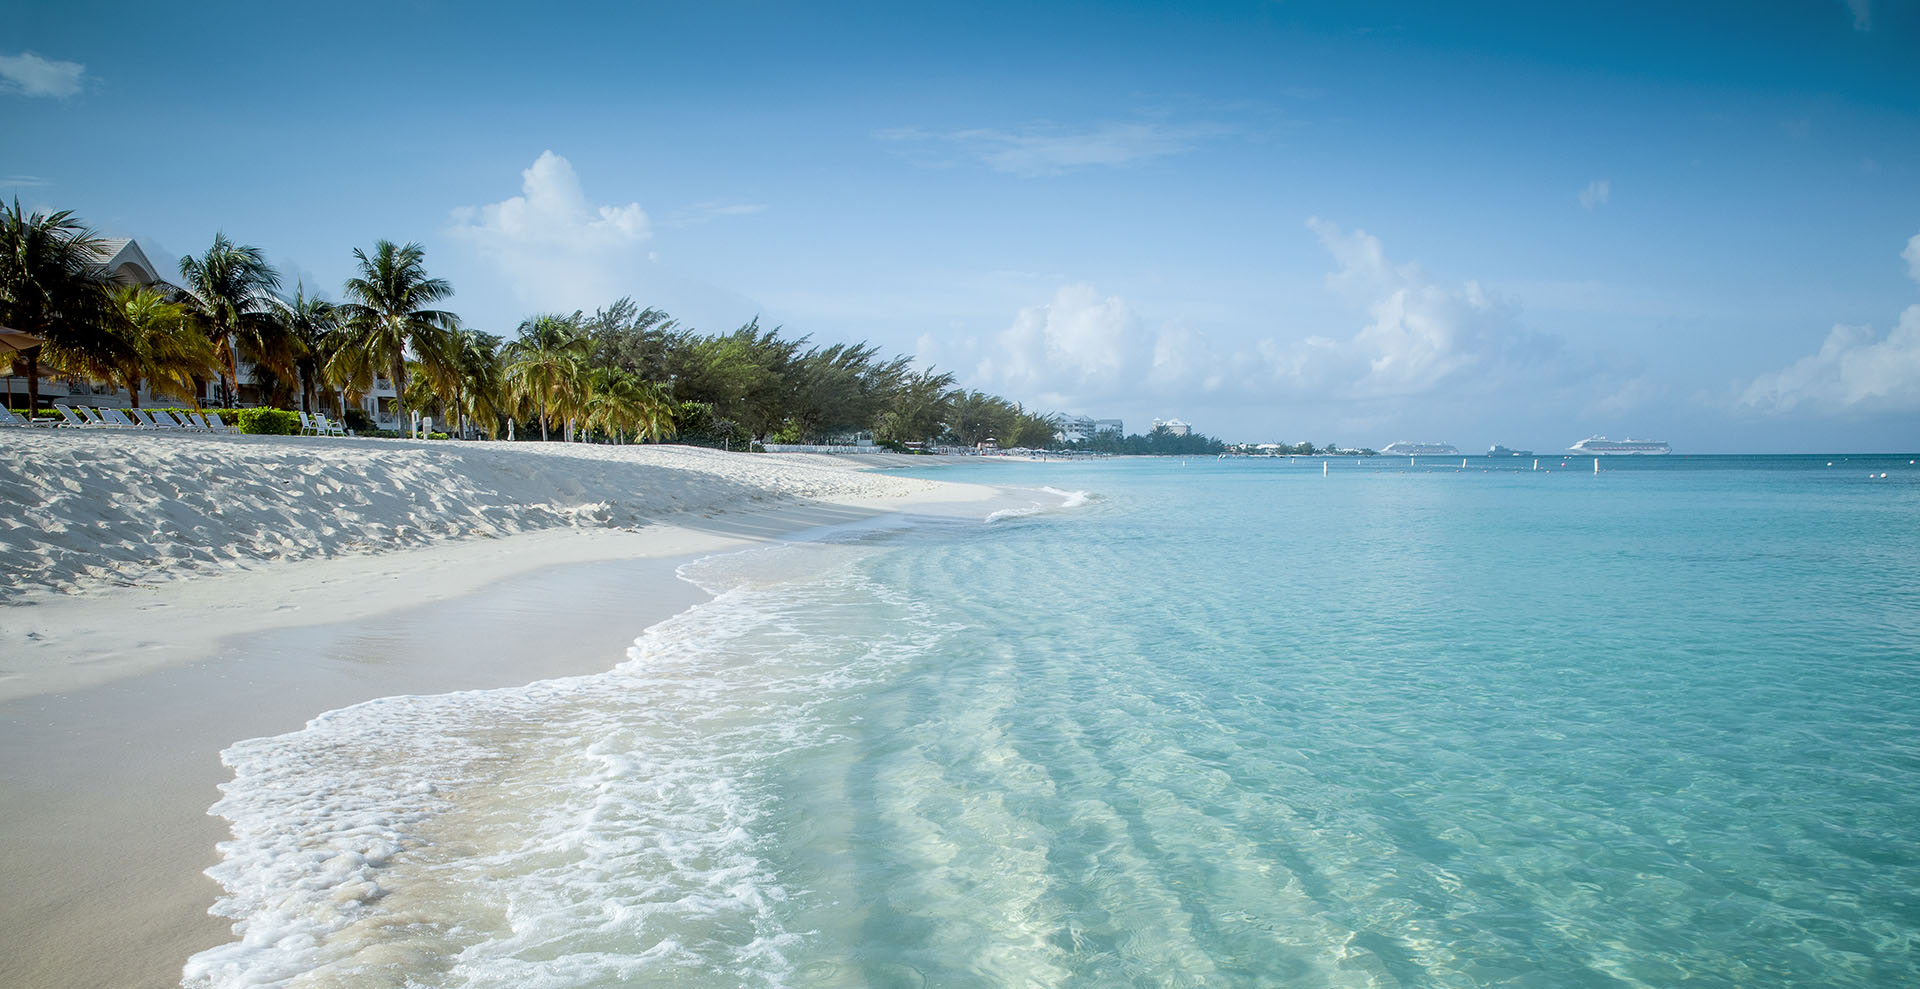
545	369
390	312
50	287
313	328
230	288
164	348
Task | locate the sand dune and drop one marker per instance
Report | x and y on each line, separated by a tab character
93	509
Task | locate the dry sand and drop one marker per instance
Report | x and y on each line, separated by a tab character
164	596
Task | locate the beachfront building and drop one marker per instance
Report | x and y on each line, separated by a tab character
1080	429
1174	426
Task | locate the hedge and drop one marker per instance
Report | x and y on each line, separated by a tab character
266	422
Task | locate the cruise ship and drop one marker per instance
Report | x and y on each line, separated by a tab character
1506	451
1406	449
1600	444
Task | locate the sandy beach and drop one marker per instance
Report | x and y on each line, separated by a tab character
164	597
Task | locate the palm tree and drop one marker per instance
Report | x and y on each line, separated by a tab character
163	346
620	401
389	313
480	389
49	287
545	367
230	288
313	328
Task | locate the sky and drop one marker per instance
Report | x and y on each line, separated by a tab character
1357	222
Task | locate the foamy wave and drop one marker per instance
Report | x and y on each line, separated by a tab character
606	829
1068	499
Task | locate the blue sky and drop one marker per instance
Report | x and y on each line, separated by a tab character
1351	222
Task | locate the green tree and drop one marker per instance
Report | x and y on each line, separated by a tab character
162	345
389	311
546	367
313	327
230	289
49	287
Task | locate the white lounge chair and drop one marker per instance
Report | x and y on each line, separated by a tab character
119	418
219	425
323	426
67	414
7	418
90	417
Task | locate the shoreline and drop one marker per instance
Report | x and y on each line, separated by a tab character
119	700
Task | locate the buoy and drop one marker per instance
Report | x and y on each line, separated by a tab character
1323	468
1596	465
1536	463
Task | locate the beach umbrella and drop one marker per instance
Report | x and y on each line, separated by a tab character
13	341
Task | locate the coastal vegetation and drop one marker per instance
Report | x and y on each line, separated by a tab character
623	373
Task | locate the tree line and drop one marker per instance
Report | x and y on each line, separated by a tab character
622	373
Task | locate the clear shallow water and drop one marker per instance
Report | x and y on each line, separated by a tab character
1222	723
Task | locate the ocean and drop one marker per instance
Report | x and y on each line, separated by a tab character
1180	722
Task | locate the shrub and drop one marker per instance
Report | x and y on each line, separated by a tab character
267	422
358	420
436	436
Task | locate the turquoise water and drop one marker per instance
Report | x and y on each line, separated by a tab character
1221	723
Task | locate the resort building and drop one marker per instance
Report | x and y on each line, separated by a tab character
1173	426
1080	429
123	262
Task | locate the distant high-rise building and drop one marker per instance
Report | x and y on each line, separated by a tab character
1079	429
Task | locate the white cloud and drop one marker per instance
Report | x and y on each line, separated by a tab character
1048	150
1079	345
1420	338
30	75
1596	193
1862	14
552	247
1852	372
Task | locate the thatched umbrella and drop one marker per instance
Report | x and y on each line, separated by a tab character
13	342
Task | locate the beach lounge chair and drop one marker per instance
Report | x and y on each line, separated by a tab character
67	414
219	425
143	417
323	426
119	418
178	422
7	418
200	419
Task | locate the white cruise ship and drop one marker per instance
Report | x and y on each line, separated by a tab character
1602	445
1406	449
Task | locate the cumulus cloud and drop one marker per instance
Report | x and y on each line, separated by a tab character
1418	337
1048	150
1596	193
28	74
1855	371
1076	345
551	245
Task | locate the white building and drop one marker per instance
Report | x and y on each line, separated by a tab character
1080	429
1174	426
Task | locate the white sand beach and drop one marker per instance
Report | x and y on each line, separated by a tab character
164	596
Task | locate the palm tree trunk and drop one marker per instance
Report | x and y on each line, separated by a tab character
400	388
231	380
133	391
543	422
33	380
